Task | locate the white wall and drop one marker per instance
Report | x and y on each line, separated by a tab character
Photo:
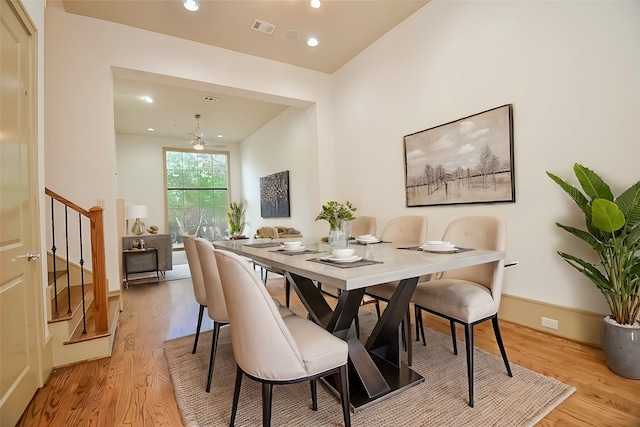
80	158
140	166
571	71
285	143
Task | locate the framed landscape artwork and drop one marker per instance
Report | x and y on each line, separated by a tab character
469	160
274	195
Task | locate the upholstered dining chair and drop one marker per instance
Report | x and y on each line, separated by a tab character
196	278
410	230
274	350
216	306
362	225
468	295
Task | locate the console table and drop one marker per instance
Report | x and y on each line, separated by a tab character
140	261
162	242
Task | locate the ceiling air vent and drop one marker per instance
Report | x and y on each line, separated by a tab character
263	27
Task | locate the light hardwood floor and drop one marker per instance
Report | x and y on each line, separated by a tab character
133	387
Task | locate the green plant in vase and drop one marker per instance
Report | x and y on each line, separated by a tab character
334	212
236	219
613	232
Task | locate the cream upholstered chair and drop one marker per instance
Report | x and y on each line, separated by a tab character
216	306
362	225
410	230
196	278
468	295
275	350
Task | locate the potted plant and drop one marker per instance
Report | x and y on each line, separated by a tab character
236	220
334	212
613	232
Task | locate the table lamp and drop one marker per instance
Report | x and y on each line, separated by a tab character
137	212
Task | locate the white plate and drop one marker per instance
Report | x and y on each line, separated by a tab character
438	248
371	240
296	249
438	242
350	259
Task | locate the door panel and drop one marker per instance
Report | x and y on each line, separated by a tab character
18	214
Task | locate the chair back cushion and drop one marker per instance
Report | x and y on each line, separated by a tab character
216	306
262	344
194	268
406	230
479	232
362	225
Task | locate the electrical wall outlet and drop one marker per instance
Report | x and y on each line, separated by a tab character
549	323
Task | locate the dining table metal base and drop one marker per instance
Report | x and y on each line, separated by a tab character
376	371
398	379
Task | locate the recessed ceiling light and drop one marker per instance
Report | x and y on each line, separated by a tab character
191	5
150	129
315	4
313	41
219	136
147	99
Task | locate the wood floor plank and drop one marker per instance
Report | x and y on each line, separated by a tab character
133	386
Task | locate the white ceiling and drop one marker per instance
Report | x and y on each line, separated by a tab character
344	27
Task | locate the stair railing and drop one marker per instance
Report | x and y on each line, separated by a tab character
95	217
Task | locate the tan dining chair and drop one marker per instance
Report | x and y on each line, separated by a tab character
362	225
216	306
410	230
196	278
274	350
468	295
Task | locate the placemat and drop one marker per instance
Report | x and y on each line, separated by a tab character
263	245
291	253
360	263
454	251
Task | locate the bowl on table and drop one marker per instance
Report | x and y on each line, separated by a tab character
342	253
291	245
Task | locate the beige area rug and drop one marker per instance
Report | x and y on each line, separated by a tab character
441	400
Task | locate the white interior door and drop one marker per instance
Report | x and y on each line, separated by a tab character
19	276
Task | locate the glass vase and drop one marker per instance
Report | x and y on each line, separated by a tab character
337	238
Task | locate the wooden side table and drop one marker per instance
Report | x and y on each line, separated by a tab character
140	261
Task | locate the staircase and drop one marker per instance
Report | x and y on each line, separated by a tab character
81	317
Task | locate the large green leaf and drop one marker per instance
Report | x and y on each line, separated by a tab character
589	270
629	204
632	239
607	216
581	234
572	191
592	184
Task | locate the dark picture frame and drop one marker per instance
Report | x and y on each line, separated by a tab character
469	160
274	195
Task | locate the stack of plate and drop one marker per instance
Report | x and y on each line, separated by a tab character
367	238
438	246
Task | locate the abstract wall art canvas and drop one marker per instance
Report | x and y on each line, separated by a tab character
274	195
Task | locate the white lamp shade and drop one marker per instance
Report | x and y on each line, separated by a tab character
137	211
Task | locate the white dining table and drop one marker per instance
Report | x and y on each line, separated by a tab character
376	369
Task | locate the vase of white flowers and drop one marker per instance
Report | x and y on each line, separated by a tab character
334	212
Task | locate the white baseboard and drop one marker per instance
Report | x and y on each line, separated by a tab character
576	325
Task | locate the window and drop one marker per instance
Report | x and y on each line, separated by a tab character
197	194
